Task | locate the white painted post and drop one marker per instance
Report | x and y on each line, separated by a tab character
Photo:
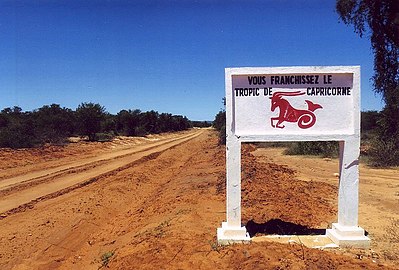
232	231
348	197
233	184
347	233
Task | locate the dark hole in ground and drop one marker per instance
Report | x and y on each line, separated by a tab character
280	227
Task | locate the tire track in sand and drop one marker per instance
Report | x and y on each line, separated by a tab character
48	183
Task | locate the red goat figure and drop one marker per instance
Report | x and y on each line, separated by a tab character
305	118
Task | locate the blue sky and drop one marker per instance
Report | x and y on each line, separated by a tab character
163	55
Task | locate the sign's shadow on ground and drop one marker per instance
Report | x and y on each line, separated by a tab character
280	227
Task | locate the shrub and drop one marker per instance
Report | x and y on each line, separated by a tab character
104	137
273	144
384	153
140	131
220	120
17	130
53	124
324	149
89	117
222	135
220	125
18	137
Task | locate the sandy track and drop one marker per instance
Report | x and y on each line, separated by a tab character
23	189
162	213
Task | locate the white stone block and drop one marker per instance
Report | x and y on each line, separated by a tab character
348	236
227	235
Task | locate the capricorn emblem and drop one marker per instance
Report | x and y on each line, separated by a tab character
305	118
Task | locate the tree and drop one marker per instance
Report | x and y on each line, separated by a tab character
127	122
220	120
17	129
165	122
201	124
90	117
381	19
109	123
369	121
220	125
149	121
178	122
53	123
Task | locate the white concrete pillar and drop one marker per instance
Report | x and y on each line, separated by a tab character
233	184
232	230
348	195
347	232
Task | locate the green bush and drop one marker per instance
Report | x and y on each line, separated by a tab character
222	135
18	137
220	125
17	129
220	120
324	149
90	117
273	144
54	124
104	137
384	153
140	131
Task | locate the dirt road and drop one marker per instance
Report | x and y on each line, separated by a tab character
162	213
22	189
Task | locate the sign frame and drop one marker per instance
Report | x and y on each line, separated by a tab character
346	231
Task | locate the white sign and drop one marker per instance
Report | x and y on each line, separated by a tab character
295	104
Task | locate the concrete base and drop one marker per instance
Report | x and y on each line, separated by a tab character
229	235
348	236
310	241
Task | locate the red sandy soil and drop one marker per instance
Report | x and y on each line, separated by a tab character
162	211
